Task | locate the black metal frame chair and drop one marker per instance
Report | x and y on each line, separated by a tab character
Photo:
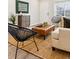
21	34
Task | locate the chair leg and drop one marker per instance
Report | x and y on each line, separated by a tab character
53	48
22	44
35	44
16	50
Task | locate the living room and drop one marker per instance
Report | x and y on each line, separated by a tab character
49	19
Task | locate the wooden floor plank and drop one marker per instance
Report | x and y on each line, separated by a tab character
44	46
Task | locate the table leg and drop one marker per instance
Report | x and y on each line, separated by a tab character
44	37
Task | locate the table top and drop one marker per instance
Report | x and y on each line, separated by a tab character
44	27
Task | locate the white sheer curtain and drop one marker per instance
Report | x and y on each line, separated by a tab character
62	8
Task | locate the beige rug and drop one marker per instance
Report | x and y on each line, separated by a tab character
21	54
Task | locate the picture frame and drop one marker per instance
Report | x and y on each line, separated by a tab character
22	7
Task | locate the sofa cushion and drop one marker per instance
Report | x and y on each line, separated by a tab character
66	22
56	19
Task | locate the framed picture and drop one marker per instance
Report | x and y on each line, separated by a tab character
22	7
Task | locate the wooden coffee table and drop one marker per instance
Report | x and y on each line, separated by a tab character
43	30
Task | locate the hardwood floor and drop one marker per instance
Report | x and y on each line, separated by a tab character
21	54
45	50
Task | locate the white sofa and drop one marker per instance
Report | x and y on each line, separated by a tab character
61	39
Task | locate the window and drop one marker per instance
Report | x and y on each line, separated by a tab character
62	8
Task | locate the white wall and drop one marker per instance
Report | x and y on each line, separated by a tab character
33	10
11	7
51	9
46	10
43	10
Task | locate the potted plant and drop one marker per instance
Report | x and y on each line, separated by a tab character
45	24
12	19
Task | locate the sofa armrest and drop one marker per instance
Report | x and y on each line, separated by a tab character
64	38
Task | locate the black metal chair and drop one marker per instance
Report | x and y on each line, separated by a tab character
21	34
